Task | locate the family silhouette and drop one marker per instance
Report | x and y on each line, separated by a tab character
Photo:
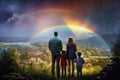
65	58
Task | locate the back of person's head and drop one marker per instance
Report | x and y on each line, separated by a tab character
55	33
70	40
63	52
79	54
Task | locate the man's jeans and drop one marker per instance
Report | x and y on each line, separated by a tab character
56	59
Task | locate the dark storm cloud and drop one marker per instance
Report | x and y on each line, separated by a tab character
106	18
7	9
104	14
4	15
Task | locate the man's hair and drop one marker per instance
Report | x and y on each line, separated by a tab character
79	54
55	33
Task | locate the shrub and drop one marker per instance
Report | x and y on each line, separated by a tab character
116	50
97	69
92	70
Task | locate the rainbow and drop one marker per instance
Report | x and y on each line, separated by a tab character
73	28
65	14
72	23
60	10
56	9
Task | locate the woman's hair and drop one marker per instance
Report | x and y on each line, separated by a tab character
70	40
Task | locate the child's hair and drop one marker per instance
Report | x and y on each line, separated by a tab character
79	54
63	51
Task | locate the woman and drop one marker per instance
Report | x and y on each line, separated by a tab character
71	55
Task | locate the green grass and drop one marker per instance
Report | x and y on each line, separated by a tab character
38	72
43	71
84	77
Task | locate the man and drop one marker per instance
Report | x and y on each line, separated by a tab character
55	46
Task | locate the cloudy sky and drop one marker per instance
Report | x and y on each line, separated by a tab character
17	17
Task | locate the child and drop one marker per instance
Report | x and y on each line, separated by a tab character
79	63
63	62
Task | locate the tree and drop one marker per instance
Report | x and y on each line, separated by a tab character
116	50
9	61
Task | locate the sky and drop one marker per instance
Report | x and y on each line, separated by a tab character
23	18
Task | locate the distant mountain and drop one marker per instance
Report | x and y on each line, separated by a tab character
110	38
13	39
93	42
